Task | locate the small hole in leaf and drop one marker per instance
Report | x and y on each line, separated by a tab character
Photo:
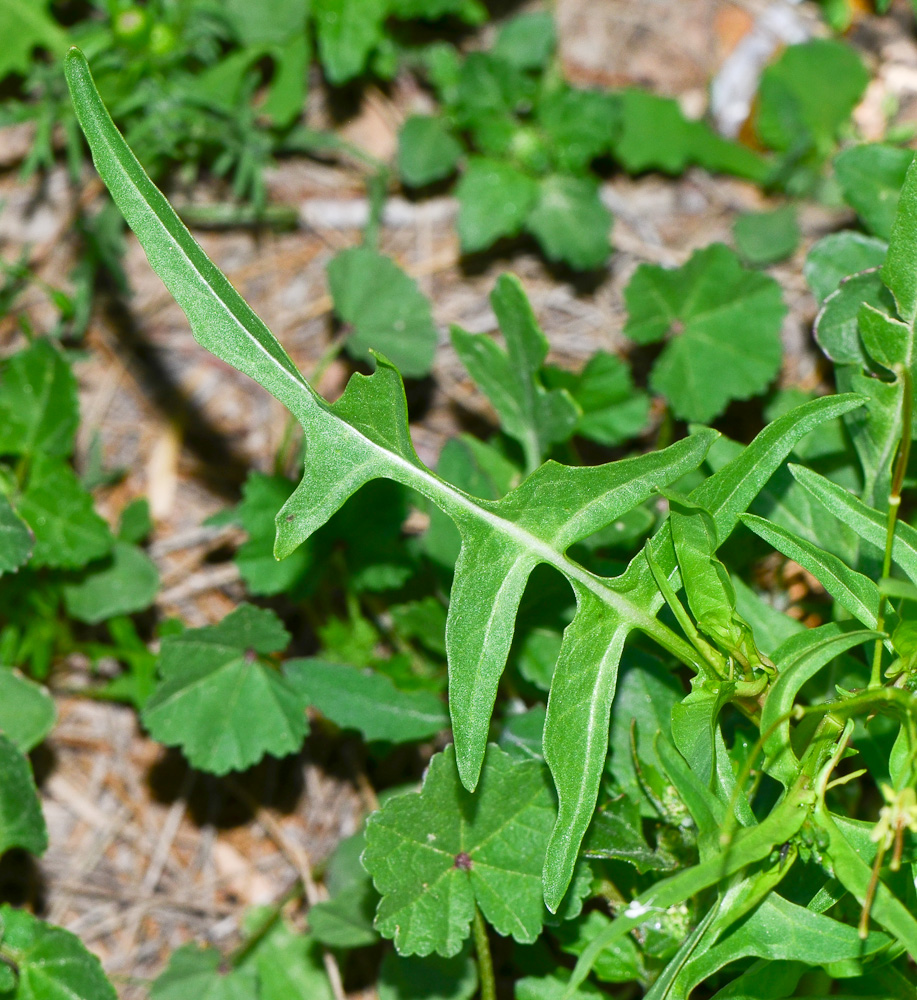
463	861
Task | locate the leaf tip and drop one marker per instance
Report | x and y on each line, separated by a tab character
74	59
469	766
554	891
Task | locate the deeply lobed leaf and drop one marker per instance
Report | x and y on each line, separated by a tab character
364	435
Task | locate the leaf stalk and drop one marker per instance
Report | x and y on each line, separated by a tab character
485	959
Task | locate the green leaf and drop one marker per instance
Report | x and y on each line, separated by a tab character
348	31
900	269
784	502
808	94
495	199
613	409
522	731
655	135
838	255
579	124
469	11
387	310
837	326
15	539
766	237
619	963
553	987
423	620
344	869
527	40
781	931
51	963
764	980
367	701
195	972
27	26
39	411
853	591
286	97
887	340
488	92
570	222
491	575
21	821
127	582
708	588
271	23
532	415
288	963
68	532
475	468
854	873
222	85
135	524
705	809
702	306
747	846
263	573
616	834
429	978
346	921
427	150
694	727
220	319
798	660
868	523
771	627
875	431
435	855
364	435
222	704
871	177
27	711
647	693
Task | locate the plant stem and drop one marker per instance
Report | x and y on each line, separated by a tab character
894	505
485	961
377	193
326	360
237	957
666	430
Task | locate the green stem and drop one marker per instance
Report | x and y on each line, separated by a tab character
666	430
237	957
326	360
485	961
707	653
377	193
226	215
894	505
282	459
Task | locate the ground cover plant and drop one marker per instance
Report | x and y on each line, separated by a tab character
646	778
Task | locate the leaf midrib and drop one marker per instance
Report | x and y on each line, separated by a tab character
433	487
